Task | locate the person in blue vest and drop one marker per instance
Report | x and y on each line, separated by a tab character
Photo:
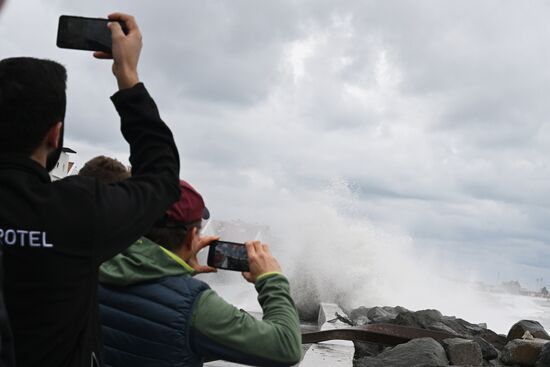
154	313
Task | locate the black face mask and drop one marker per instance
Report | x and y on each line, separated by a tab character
53	157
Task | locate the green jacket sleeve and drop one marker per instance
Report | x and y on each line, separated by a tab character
221	331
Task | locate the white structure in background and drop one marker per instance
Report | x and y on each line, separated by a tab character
64	167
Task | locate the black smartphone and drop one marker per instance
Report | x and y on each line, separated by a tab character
80	33
228	256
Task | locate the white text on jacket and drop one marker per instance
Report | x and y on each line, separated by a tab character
23	238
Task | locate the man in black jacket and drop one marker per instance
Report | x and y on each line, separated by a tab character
56	234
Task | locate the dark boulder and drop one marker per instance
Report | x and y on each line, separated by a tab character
463	352
359	315
365	349
439	326
419	319
524	352
375	315
519	328
497	340
488	351
463	327
416	353
382	314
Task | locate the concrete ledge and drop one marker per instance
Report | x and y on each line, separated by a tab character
334	352
320	355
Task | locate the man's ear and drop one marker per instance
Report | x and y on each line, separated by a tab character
194	233
54	135
191	237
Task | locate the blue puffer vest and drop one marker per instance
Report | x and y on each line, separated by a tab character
146	325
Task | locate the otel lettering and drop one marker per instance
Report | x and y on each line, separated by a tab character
24	238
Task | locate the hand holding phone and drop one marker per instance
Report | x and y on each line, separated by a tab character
81	33
251	258
125	50
117	38
197	245
260	261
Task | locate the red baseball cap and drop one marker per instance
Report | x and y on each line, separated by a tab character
189	208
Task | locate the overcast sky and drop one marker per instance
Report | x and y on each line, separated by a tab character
432	115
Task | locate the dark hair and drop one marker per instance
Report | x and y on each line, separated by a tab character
172	238
167	233
105	169
32	100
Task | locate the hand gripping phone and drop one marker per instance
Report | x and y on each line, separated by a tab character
80	33
228	256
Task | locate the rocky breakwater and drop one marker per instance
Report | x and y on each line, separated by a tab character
527	343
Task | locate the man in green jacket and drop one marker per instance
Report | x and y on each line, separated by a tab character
155	314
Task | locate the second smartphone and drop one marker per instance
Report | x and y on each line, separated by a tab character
228	256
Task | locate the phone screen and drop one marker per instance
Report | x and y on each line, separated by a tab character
81	33
228	256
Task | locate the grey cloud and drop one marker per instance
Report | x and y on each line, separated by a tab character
434	112
218	51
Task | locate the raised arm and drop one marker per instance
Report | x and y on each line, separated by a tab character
126	210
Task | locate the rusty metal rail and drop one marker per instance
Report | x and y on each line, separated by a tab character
386	334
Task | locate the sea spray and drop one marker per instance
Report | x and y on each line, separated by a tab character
332	252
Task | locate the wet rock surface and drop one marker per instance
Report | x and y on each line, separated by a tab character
525	352
463	352
488	351
416	353
365	349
